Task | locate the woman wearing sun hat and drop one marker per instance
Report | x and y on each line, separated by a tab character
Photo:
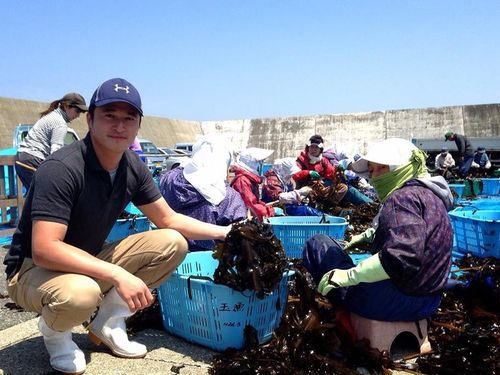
404	278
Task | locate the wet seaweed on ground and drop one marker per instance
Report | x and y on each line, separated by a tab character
313	338
465	332
251	258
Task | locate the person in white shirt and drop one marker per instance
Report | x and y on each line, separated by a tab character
444	162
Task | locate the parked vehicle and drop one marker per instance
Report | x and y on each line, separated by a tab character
156	159
22	130
187	147
174	157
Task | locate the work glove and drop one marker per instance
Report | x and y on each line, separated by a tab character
369	270
365	237
278	211
344	164
314	175
304	191
290	197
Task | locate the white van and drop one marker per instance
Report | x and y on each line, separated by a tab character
187	147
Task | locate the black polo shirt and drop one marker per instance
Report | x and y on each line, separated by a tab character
70	187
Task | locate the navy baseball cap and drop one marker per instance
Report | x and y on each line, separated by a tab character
117	90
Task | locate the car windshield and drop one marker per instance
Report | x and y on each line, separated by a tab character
171	151
150	148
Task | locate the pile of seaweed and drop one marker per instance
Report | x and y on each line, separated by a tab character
313	338
465	332
251	258
316	338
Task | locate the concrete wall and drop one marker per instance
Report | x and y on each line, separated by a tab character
162	131
354	132
287	135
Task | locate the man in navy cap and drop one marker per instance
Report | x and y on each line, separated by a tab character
59	264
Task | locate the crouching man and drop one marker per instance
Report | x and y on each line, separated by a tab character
59	265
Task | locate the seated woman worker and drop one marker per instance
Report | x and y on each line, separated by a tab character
278	184
199	188
313	164
279	188
247	181
404	278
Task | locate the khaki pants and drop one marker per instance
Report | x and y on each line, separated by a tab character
66	300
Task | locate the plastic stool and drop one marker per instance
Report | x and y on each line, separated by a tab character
391	336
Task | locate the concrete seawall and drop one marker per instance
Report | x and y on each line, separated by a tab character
287	135
354	131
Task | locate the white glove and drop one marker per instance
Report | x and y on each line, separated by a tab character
289	197
304	191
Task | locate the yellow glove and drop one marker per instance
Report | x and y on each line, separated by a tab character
369	270
365	237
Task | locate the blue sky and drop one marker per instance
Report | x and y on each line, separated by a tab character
222	60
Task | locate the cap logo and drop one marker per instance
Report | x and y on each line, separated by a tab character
118	87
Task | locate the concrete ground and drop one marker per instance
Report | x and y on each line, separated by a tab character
22	350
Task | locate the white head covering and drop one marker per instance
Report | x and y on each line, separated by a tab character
206	170
393	152
285	168
251	158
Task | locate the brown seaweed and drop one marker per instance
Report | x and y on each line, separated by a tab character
251	257
310	340
465	332
313	338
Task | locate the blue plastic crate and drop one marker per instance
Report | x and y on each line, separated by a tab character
293	231
126	227
214	315
359	257
488	203
458	190
132	209
491	186
476	231
264	168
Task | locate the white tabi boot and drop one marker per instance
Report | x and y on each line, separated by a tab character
109	328
65	356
